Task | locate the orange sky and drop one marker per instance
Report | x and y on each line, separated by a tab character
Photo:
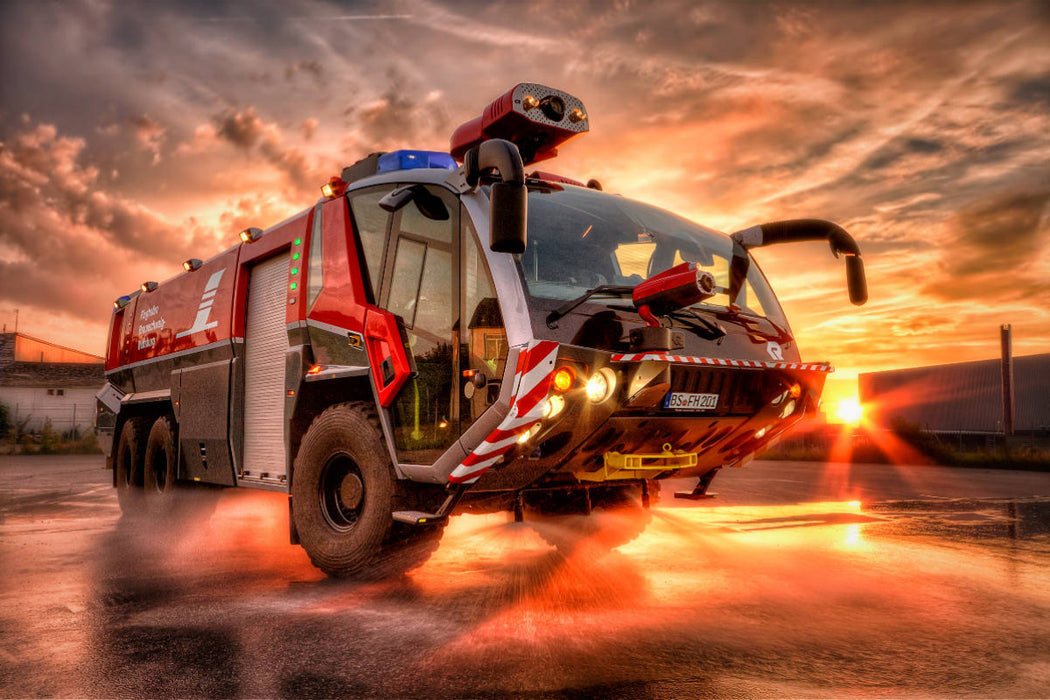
136	135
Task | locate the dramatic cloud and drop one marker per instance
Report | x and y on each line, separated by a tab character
157	131
149	134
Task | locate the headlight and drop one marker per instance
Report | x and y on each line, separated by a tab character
601	385
553	406
529	434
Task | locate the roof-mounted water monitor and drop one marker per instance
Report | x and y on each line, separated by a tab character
535	118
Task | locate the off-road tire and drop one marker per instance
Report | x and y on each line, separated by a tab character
128	465
349	531
160	468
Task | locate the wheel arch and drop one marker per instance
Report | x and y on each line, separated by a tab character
312	399
150	410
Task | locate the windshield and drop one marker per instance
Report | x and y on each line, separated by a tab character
579	239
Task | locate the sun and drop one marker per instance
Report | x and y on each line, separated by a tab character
850	411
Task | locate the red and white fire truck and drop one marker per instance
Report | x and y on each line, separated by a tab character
443	333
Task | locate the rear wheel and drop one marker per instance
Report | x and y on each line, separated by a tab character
128	465
344	492
160	467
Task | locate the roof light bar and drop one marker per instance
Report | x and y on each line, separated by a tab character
414	160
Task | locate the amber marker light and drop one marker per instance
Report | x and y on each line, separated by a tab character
563	379
334	187
191	265
250	235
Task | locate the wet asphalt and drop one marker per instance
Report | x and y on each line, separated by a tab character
800	580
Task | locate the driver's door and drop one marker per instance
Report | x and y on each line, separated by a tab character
421	286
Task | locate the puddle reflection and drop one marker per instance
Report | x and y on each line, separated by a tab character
715	601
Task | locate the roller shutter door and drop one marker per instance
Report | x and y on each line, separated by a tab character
265	346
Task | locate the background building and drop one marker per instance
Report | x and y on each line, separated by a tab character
961	399
41	381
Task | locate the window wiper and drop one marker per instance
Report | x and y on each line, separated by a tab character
689	317
613	289
751	324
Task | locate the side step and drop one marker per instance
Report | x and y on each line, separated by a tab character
416	517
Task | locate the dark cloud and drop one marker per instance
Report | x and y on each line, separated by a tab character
68	243
242	129
995	247
149	134
45	190
403	114
897	149
1033	91
1000	234
248	131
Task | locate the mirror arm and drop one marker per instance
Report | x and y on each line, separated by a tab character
797	230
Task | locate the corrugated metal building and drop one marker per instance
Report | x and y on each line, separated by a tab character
966	397
41	381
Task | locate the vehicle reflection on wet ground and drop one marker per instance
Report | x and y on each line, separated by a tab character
928	591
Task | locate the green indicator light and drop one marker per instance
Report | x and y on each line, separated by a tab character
293	286
298	241
295	256
295	270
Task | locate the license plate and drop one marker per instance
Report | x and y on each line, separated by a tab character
691	402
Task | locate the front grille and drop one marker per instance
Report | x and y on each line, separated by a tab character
739	390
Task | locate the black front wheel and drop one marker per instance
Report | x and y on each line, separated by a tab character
344	492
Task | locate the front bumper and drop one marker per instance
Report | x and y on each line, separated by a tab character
757	401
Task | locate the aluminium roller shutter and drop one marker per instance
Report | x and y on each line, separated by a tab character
265	346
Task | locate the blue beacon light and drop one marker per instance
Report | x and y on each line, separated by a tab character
413	160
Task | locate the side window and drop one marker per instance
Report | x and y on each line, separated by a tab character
315	275
484	343
370	222
421	290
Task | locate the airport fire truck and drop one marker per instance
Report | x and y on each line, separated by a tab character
446	332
